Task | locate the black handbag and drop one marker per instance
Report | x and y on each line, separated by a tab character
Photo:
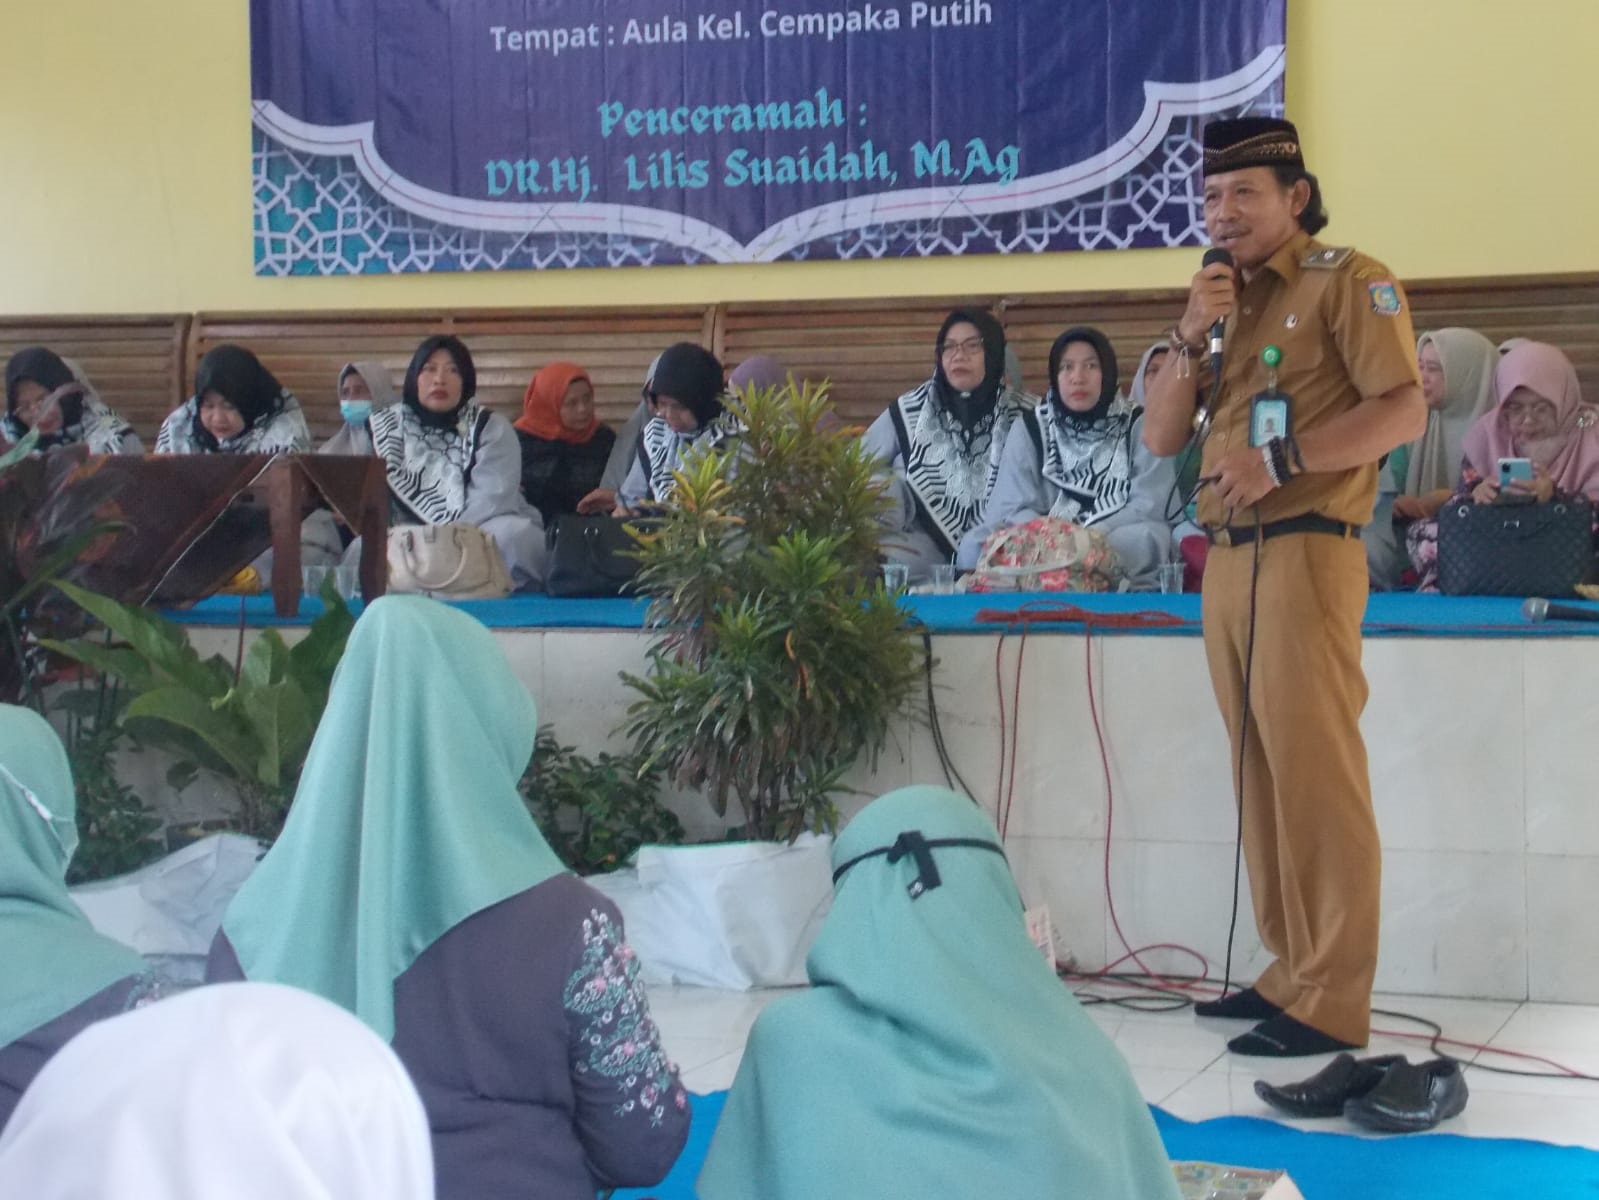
1514	549
590	556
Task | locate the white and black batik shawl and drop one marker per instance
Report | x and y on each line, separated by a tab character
1090	465
661	449
951	468
282	432
429	468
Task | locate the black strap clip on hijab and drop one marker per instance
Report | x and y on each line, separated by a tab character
913	843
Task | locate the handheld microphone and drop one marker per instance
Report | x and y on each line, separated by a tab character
1538	609
1216	254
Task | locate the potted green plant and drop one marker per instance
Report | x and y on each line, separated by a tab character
595	812
249	724
779	662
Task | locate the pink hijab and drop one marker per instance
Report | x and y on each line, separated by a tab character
1545	370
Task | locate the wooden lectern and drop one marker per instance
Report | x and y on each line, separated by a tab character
193	521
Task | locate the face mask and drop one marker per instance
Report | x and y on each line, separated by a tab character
355	412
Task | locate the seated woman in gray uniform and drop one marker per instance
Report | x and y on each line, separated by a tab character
941	444
1082	459
450	458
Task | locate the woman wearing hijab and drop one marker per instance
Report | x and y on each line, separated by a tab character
1083	460
895	1074
762	372
451	459
1539	416
363	388
46	392
625	452
685	391
1148	367
60	976
1457	379
244	1090
411	887
238	407
942	443
564	445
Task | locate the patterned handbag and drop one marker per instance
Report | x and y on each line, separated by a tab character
1046	554
1514	549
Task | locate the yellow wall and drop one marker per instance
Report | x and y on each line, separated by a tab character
1451	140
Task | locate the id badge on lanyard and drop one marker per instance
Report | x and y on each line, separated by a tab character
1270	411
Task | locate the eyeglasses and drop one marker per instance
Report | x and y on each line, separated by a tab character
970	348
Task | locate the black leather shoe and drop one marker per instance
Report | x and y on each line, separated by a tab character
1326	1092
1246	1004
1411	1097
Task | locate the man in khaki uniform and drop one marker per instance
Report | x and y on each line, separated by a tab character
1290	475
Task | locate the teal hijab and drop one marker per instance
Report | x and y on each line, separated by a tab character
935	1054
53	958
407	819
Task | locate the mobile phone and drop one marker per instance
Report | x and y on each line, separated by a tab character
1512	470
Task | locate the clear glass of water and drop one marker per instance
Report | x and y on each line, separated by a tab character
896	576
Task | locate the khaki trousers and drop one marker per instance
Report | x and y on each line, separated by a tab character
1310	837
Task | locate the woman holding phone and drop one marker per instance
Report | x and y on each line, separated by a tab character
1539	443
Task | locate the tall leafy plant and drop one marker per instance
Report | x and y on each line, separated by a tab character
780	659
251	726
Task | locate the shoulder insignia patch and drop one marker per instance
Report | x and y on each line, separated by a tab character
1328	257
1385	298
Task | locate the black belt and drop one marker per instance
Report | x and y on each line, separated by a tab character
1243	535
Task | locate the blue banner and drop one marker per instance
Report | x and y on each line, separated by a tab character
417	135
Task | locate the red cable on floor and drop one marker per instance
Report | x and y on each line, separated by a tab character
1042	612
1059	612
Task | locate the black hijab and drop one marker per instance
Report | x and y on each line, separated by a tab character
1107	367
236	375
693	376
969	407
463	364
45	368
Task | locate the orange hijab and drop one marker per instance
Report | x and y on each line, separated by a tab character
541	404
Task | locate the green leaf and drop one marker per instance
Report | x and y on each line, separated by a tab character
215	728
265	662
313	659
160	642
119	662
279	717
21	450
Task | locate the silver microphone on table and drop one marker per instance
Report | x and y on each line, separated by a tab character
1536	608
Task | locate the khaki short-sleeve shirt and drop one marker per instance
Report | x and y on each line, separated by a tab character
1343	325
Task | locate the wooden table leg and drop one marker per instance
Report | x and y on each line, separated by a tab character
374	532
286	501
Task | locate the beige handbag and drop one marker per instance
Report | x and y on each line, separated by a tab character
457	561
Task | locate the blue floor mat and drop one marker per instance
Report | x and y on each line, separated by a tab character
1325	1166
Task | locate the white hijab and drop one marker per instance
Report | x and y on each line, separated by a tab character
250	1091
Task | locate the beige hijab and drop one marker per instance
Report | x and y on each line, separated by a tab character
357	439
1469	361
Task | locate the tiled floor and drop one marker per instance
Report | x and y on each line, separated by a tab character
1182	1065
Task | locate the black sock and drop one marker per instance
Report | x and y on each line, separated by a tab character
1245	1005
1284	1037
